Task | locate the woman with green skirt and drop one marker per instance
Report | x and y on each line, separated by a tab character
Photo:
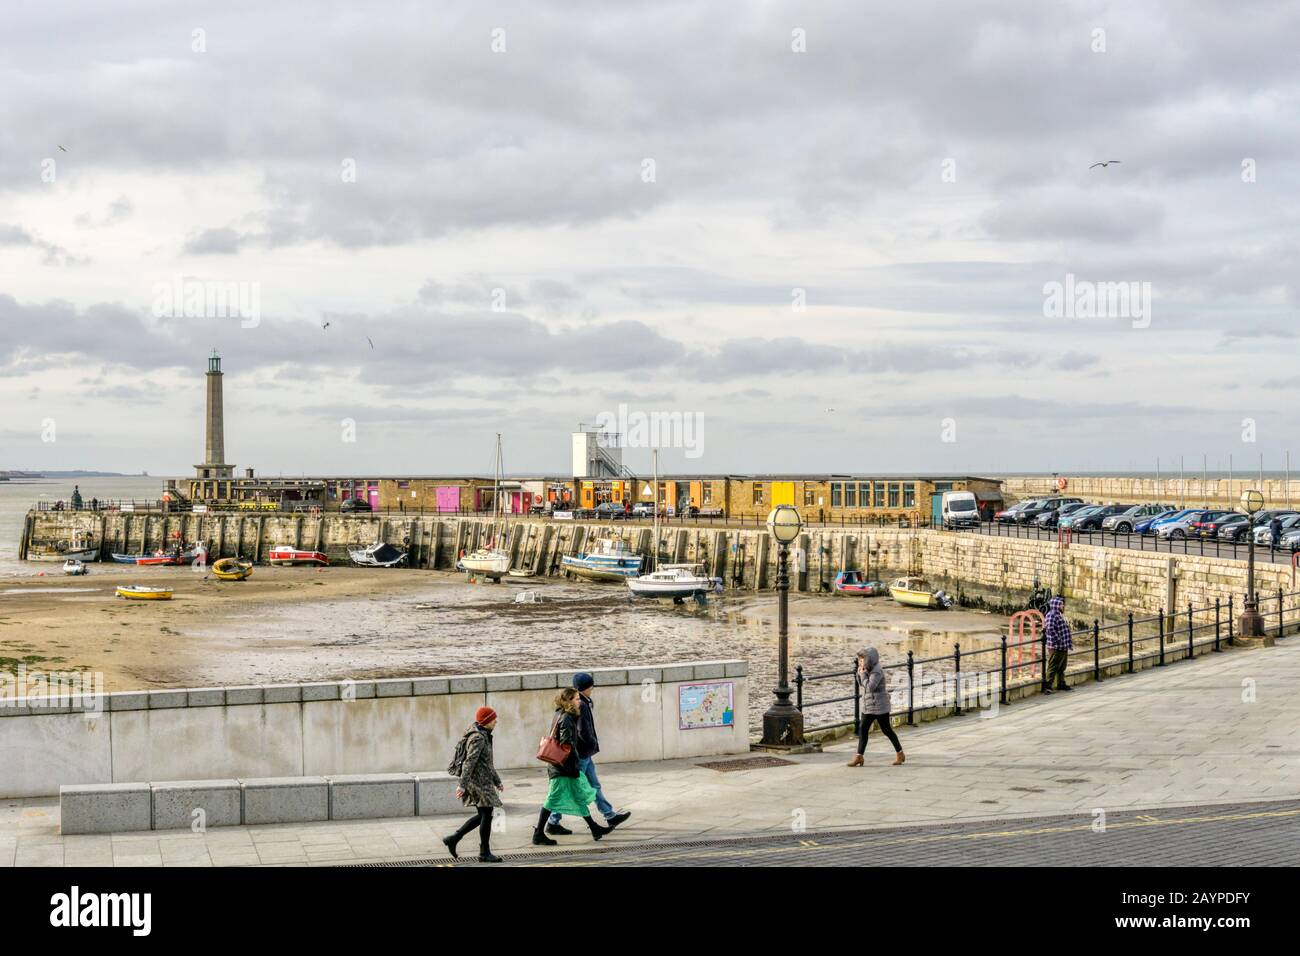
569	792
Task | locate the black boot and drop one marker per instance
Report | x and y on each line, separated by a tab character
597	831
450	843
539	832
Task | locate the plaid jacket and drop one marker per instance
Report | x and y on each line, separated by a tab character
1057	630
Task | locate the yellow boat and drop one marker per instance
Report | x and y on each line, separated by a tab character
232	569
917	592
139	592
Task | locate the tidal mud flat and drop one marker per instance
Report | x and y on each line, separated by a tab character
302	624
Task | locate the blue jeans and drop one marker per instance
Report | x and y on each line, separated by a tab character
587	766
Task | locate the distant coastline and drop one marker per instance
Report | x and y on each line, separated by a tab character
22	475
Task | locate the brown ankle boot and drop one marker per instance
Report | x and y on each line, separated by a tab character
856	761
899	758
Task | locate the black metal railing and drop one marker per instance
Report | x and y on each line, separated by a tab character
1160	638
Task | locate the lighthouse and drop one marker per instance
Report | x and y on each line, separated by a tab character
214	446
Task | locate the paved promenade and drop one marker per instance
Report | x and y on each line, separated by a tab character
1217	731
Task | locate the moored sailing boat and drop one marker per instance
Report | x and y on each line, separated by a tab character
492	562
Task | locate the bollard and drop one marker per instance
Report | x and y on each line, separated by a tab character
1230	620
1216	626
798	686
1130	642
1279	612
1003	698
1191	640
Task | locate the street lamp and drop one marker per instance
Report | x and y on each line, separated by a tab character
783	721
1251	624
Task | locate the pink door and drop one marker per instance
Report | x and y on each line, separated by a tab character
373	490
448	498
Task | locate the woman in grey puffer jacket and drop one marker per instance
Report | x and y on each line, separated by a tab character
870	676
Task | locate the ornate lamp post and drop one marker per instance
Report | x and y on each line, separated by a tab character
1250	624
783	722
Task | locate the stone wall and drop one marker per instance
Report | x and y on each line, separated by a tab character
343	727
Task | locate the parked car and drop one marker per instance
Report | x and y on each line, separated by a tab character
1050	519
1264	536
1074	517
1226	527
351	505
1092	522
1126	521
1179	527
643	509
1196	529
1041	507
1290	541
610	510
1009	515
1153	525
1264	517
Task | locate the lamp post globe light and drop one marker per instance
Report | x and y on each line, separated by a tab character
783	721
1250	624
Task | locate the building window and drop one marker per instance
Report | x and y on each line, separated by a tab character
941	486
809	496
708	493
893	494
836	494
909	495
758	493
850	494
403	484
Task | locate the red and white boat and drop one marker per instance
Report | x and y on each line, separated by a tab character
282	554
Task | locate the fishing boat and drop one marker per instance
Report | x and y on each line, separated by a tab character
232	569
75	567
918	592
611	560
378	555
140	592
676	581
282	554
158	558
853	584
80	548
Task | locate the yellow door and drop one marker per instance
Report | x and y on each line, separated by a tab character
588	494
782	493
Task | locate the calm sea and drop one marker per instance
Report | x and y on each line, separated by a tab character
17	496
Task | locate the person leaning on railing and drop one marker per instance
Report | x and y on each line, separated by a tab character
1059	644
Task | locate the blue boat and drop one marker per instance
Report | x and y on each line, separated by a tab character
612	560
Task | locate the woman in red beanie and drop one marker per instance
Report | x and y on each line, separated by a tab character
479	783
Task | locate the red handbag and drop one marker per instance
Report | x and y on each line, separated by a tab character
551	751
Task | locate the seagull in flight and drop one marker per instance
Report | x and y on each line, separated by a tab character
64	148
372	344
1106	163
325	326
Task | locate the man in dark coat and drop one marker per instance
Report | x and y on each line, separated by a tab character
586	747
1275	532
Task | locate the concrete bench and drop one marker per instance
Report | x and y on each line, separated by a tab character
200	804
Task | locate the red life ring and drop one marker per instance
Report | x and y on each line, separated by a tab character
1060	484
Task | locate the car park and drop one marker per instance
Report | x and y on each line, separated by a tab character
1152	525
1008	516
1074	517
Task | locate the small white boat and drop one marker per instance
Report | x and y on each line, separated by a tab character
75	567
489	562
676	581
528	597
378	555
611	560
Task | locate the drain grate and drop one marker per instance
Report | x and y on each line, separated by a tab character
746	763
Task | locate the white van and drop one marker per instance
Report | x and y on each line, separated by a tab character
960	510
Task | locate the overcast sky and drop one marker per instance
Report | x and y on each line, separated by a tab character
825	226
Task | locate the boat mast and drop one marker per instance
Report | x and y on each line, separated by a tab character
654	560
496	486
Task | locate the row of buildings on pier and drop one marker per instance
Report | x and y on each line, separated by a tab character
598	478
